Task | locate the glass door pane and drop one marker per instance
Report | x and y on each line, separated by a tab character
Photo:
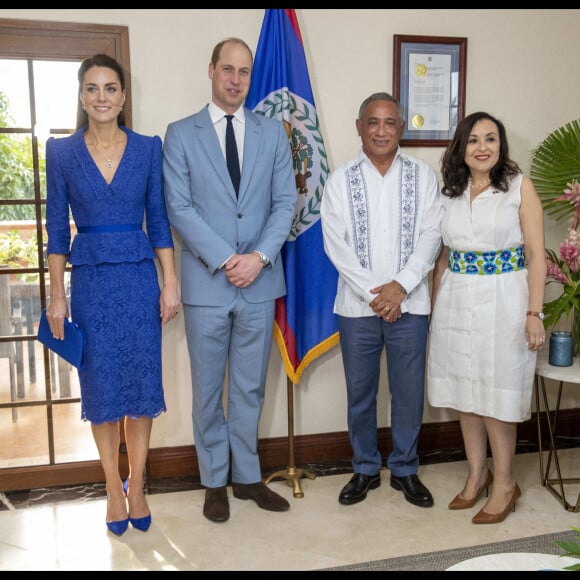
38	99
56	109
15	96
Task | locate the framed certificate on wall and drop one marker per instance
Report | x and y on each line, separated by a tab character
429	82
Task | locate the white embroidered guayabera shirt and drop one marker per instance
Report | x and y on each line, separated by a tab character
378	228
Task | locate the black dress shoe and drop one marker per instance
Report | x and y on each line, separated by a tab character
415	492
356	489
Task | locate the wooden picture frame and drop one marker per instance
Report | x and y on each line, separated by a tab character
429	81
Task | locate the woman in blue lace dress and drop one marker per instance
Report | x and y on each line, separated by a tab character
110	179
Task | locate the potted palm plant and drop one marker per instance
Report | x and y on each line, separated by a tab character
555	172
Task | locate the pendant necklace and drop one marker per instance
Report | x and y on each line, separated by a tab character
105	158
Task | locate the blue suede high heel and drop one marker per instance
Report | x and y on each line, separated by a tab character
119	527
141	524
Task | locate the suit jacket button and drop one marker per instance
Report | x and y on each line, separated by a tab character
240	215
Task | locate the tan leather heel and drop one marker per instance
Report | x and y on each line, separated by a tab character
462	503
482	517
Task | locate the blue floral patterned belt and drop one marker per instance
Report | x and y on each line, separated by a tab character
109	228
482	263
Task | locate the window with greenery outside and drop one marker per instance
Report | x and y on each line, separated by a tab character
17	169
16	252
17	183
555	172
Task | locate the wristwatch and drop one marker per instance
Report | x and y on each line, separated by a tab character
263	258
540	315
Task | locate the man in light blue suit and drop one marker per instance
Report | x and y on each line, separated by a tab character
231	271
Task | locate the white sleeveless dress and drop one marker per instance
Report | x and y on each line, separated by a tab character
478	357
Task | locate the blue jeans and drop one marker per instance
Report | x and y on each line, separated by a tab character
362	341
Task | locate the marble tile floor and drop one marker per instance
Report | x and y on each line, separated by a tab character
64	529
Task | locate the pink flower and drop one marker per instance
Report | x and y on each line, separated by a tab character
572	195
554	272
570	250
564	268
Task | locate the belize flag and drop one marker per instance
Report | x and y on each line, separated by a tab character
305	326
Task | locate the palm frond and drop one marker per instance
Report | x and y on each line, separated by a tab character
556	163
571	549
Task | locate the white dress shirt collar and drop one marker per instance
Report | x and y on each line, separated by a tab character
216	114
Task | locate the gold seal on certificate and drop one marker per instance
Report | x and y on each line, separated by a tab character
421	70
418	121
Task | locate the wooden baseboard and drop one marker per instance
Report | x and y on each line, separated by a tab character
324	448
335	447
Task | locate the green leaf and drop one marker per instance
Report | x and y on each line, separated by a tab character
555	163
571	548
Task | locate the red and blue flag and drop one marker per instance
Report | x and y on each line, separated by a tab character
305	325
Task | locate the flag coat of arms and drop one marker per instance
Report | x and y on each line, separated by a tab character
305	326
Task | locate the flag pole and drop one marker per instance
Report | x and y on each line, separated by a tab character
292	474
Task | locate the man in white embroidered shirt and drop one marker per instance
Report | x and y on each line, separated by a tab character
381	216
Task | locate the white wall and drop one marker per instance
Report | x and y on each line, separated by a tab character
522	66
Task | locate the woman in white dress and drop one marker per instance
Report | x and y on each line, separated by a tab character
488	292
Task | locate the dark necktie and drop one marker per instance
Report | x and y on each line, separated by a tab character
232	154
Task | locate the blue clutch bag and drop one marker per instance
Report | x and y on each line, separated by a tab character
71	349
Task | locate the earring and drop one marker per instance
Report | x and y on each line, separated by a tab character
120	108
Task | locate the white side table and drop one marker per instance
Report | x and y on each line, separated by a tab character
570	375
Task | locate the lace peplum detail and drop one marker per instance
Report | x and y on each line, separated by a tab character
110	247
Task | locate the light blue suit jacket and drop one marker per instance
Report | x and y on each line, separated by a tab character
213	224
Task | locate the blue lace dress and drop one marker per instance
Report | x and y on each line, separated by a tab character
114	285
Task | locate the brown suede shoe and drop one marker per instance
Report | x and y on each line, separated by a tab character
216	506
262	495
